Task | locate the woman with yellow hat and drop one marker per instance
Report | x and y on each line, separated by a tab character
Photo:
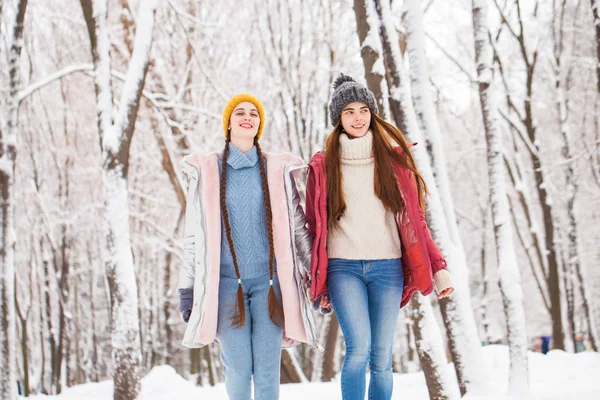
245	252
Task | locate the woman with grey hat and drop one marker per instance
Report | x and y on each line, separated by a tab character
372	249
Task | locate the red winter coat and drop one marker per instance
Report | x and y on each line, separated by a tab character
421	257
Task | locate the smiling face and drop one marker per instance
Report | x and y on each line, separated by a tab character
356	119
244	121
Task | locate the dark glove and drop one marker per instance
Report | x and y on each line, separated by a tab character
186	302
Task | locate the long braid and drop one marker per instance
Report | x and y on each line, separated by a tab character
275	308
239	313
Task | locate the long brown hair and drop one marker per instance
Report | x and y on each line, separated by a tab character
275	309
386	186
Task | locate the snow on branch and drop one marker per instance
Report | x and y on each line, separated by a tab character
34	87
523	135
136	74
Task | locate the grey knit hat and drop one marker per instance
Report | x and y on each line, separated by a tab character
345	91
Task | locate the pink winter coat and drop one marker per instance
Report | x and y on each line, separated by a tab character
201	266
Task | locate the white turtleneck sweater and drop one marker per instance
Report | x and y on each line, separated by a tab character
366	231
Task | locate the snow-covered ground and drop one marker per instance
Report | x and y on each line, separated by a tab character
555	376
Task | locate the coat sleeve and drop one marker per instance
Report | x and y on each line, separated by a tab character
302	237
187	270
435	255
310	202
312	228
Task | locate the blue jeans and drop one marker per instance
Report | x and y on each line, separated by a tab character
366	295
253	350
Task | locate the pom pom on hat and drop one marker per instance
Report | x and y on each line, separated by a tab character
240	98
341	79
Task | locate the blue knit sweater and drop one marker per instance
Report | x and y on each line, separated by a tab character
246	216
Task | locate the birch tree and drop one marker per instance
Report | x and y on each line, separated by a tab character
115	139
508	268
12	16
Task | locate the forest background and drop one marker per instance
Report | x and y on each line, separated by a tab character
100	100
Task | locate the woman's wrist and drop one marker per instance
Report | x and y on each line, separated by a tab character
442	281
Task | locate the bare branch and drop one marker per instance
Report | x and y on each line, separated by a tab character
71	69
523	135
454	60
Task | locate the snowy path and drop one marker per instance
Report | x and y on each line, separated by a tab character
556	376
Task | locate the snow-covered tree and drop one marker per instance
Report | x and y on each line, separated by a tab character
431	351
116	134
508	268
367	28
522	111
12	16
287	53
425	108
596	24
575	270
463	338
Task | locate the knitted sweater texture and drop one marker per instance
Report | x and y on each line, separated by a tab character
245	205
366	231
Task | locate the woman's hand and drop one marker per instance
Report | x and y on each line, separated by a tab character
443	283
325	303
186	303
446	292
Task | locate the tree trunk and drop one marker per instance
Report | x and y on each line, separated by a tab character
290	369
328	367
115	140
410	340
575	271
457	312
588	307
63	293
508	268
195	358
167	307
596	14
425	109
10	48
44	389
534	248
50	328
431	351
558	338
568	284
23	318
93	352
485	322
529	59
367	28
212	379
79	371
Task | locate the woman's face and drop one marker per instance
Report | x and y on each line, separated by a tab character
356	119
244	121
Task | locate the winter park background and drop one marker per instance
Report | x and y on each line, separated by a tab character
100	100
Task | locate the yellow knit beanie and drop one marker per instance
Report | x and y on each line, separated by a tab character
240	98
